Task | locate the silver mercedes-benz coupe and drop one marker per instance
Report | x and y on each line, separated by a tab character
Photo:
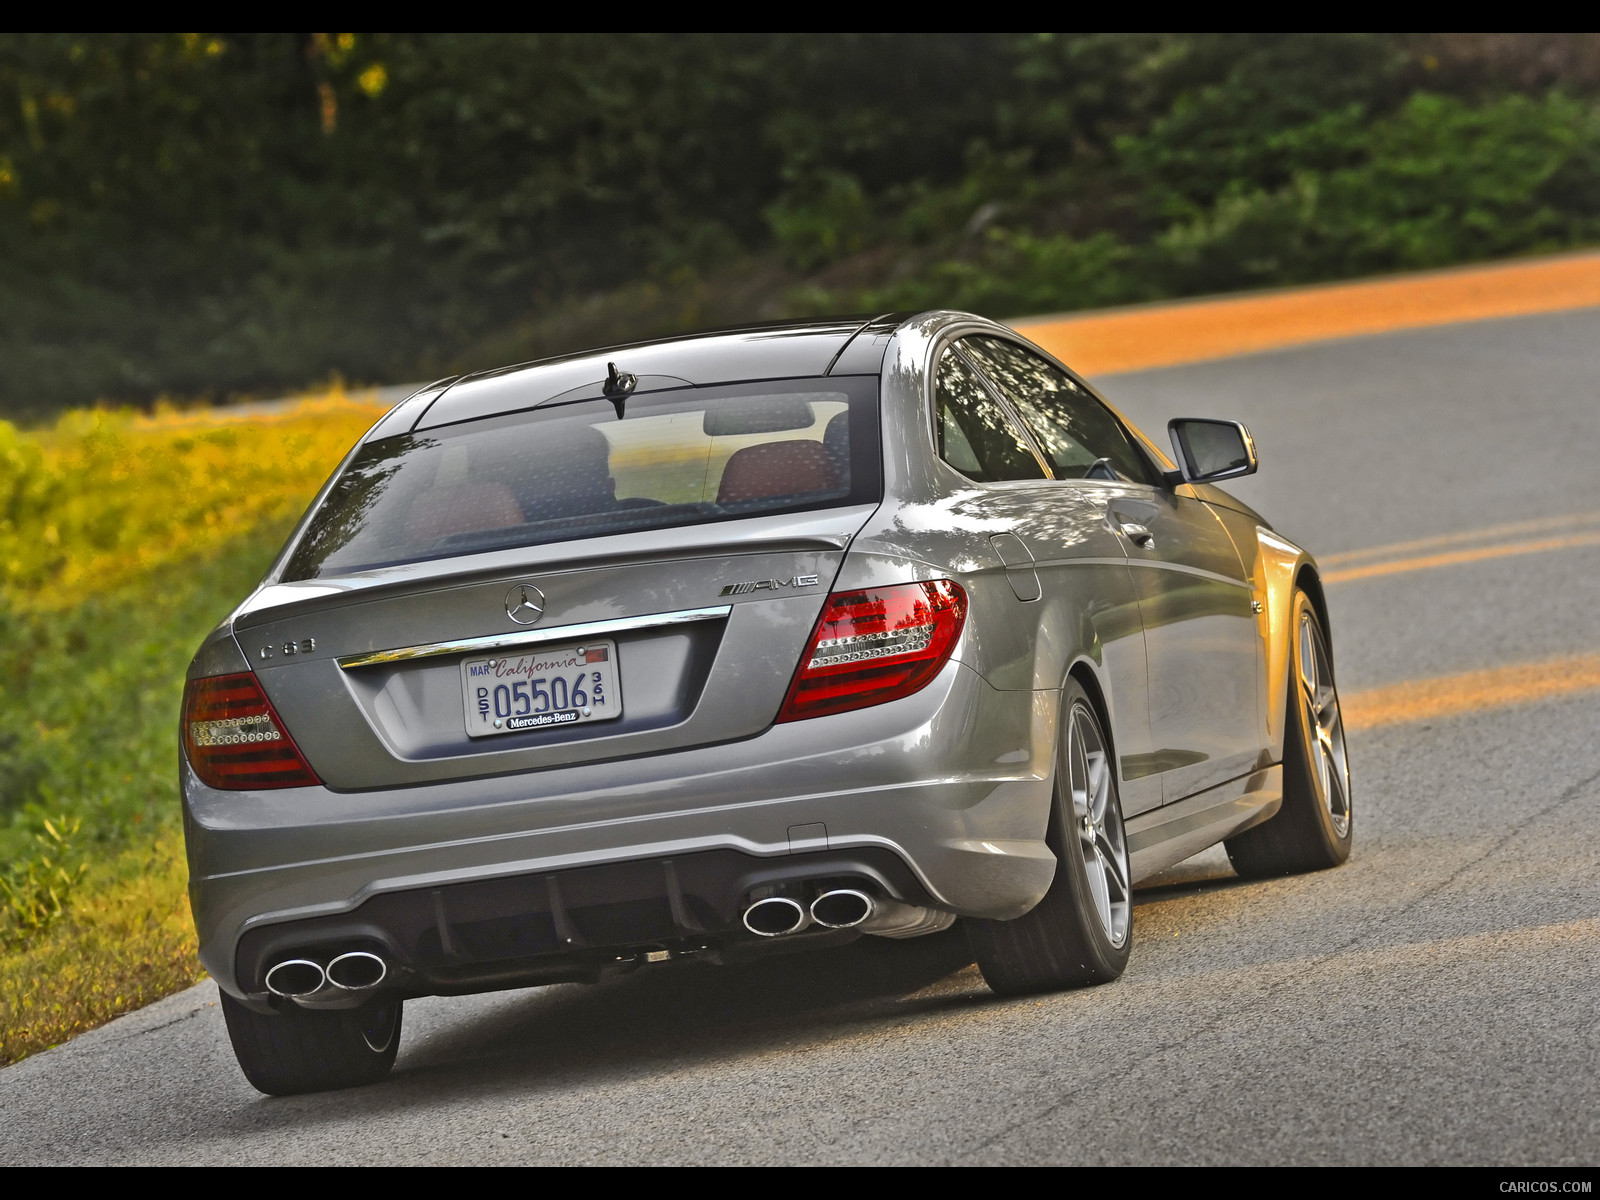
739	643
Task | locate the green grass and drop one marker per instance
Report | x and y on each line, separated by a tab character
89	702
125	942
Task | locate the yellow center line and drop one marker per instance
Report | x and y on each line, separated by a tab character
1470	691
1455	557
1487	533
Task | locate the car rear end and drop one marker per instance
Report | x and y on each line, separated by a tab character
544	692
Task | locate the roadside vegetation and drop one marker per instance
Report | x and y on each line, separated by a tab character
123	540
214	215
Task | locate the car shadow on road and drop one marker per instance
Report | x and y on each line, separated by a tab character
663	1018
656	1019
692	1010
1208	871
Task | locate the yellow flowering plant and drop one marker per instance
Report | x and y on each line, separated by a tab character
123	538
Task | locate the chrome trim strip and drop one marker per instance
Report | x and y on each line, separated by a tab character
532	637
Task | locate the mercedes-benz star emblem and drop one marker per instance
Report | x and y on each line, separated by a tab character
524	604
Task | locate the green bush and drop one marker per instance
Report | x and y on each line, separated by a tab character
1439	181
36	891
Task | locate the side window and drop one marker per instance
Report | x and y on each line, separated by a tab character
1078	435
975	435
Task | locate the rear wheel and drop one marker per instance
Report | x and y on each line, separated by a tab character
1314	828
301	1050
1082	931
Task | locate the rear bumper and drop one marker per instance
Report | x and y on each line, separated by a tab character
953	782
570	925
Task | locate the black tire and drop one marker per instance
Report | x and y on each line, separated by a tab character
1073	937
1315	827
301	1050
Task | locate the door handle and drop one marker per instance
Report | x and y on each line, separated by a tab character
1137	534
1132	525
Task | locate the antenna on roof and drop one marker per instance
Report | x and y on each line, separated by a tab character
618	386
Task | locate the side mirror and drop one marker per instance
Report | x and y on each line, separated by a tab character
1211	450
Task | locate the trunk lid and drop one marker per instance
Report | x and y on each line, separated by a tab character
707	624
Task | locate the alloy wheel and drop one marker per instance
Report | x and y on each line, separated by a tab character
1097	821
1330	768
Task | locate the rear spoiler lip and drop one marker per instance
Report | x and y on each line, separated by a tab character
831	530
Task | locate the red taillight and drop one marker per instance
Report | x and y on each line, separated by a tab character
235	740
876	645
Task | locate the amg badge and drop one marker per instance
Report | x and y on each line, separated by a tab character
766	585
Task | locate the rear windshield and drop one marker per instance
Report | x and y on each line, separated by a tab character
580	470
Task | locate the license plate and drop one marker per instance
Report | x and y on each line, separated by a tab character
565	685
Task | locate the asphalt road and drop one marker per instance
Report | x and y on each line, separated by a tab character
1433	1001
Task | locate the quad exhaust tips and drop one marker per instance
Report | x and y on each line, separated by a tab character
301	978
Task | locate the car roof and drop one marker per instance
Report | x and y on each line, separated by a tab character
835	345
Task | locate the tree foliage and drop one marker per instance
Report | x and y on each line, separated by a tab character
213	214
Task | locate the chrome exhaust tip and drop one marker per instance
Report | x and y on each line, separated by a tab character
842	908
775	916
357	971
295	977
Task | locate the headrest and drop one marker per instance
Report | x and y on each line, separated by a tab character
757	414
461	508
777	469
